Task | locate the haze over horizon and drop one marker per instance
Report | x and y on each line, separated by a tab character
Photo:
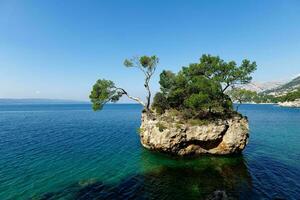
58	49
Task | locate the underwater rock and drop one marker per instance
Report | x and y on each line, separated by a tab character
218	195
209	178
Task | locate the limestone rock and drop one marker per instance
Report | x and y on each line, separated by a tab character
295	103
168	134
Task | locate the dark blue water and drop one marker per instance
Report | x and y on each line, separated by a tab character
71	152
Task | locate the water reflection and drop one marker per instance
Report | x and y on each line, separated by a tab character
171	178
202	178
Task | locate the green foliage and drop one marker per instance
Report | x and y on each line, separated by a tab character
204	93
225	73
291	96
198	122
199	89
160	127
242	95
178	126
189	113
245	96
147	64
104	91
160	103
167	79
139	130
264	98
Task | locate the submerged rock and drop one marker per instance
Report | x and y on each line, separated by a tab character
218	195
167	133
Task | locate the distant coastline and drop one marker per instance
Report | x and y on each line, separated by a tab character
41	101
27	101
44	101
291	104
295	104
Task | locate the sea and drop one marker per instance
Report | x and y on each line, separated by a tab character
68	151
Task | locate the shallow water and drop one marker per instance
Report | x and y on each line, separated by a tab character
71	152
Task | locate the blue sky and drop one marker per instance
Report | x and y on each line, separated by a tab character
58	49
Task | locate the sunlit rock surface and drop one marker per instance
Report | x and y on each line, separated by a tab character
166	133
295	103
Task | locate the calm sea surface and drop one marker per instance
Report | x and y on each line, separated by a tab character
71	152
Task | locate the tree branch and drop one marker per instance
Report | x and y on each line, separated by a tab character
225	88
131	97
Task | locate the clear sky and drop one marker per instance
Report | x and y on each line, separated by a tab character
59	48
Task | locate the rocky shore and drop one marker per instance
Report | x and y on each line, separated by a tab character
168	133
295	103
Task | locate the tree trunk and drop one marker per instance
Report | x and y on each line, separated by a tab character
149	93
148	98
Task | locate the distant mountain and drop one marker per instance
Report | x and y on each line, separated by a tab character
39	101
261	87
285	88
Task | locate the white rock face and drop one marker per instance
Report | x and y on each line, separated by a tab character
261	86
295	103
220	137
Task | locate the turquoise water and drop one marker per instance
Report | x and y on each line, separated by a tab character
71	152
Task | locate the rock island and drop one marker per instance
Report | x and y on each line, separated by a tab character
192	114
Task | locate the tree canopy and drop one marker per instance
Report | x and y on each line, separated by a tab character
290	96
240	95
198	90
200	87
148	66
105	91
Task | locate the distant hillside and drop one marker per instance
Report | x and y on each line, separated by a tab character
261	87
285	88
39	101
